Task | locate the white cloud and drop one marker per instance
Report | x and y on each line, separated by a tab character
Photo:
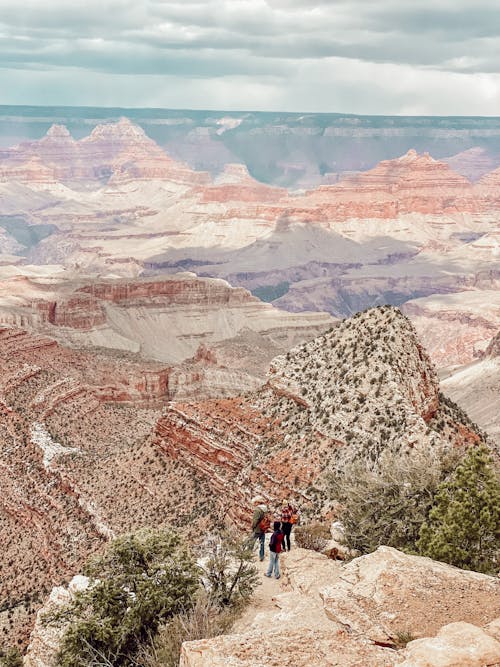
384	57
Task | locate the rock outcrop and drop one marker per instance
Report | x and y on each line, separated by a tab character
364	387
114	152
356	614
455	645
164	319
388	592
45	640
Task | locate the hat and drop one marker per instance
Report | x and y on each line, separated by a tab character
257	500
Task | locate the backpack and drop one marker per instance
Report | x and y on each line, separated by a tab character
264	523
272	542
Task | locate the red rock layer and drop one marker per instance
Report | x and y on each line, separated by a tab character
115	151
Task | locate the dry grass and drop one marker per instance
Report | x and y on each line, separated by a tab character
204	620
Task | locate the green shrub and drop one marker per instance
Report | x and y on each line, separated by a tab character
228	572
312	536
142	580
463	527
10	658
389	504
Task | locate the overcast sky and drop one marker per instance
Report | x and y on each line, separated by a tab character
360	56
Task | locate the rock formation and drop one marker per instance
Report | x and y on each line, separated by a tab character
76	464
164	319
409	227
365	387
476	388
334	615
114	152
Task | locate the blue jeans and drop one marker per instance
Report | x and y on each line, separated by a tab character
262	540
274	563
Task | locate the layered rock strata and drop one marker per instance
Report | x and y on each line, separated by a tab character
476	388
363	388
165	319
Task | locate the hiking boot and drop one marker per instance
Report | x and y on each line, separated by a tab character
277	576
266	575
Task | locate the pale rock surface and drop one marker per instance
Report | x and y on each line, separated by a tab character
455	645
45	641
387	592
293	630
476	388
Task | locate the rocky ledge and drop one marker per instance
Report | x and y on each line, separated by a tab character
362	613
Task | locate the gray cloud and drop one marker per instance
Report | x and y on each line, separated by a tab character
261	43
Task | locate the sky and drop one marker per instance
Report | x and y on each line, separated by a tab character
431	57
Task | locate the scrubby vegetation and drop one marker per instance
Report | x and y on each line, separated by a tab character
312	536
146	595
388	505
463	527
10	658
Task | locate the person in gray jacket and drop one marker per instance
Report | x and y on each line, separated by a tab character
260	524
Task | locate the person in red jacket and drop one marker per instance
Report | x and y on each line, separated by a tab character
275	544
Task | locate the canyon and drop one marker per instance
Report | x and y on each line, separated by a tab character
92	446
114	204
185	322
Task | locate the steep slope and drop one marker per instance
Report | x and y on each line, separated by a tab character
364	387
476	388
457	328
112	151
77	465
165	319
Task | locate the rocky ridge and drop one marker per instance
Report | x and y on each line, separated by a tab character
239	333
76	464
114	152
364	387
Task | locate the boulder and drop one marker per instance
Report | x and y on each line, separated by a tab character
455	645
285	647
387	593
45	640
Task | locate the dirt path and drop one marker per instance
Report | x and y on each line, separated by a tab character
263	598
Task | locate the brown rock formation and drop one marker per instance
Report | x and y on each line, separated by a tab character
387	592
113	151
410	184
455	645
334	616
364	387
166	319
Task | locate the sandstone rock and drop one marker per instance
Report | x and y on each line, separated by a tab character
307	571
388	592
455	645
331	411
294	632
45	640
114	152
288	647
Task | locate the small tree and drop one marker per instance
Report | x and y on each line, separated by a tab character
388	505
463	527
229	574
142	580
